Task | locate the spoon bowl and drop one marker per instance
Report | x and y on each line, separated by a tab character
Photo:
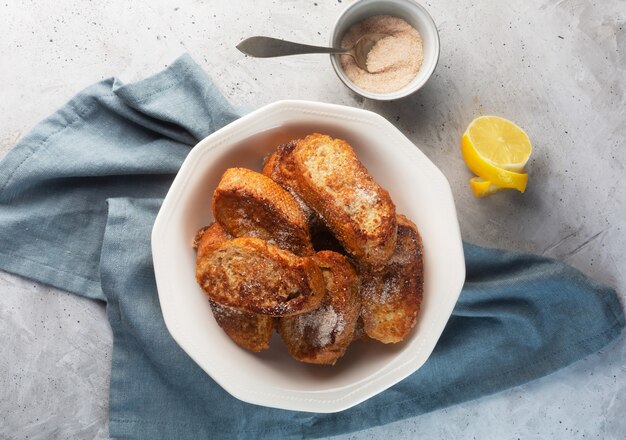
363	47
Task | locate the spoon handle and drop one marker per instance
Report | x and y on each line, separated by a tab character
266	47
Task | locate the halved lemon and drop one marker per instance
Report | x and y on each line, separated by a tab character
497	150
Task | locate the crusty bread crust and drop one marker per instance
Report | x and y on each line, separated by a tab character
251	331
359	330
392	295
331	180
248	330
208	238
252	275
248	203
323	335
279	167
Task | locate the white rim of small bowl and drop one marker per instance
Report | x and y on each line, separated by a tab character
410	88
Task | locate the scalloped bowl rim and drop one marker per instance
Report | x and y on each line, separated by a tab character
272	380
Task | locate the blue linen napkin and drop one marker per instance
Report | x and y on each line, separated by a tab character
78	197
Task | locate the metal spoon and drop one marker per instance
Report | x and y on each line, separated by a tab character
267	47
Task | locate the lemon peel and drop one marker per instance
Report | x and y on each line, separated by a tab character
483	188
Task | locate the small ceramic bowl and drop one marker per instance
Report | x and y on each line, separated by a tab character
408	10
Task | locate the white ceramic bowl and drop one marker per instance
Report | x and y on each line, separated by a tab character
414	14
273	378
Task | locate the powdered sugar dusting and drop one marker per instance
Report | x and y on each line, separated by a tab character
389	288
321	324
221	312
366	196
401	258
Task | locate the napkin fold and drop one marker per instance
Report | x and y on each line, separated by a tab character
78	197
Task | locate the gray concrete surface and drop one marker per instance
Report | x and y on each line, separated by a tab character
557	68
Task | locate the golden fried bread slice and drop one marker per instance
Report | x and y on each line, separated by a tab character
279	166
323	335
252	275
331	180
248	203
248	330
391	296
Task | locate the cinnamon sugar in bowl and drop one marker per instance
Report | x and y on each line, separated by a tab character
399	64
